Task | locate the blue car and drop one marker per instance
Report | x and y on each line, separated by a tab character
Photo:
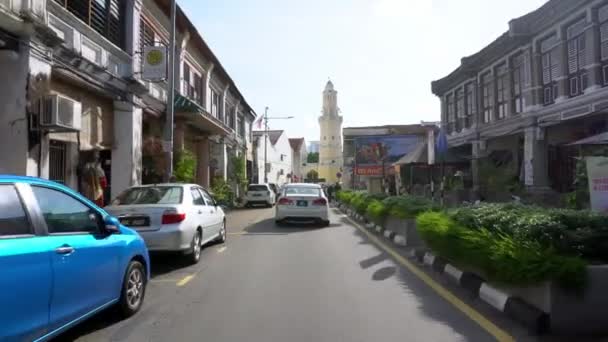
62	259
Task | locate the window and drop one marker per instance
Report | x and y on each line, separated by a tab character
65	214
12	216
197	198
230	117
150	195
240	124
550	71
208	199
188	91
449	100
104	16
198	89
603	27
459	108
517	75
215	105
488	97
502	84
577	76
471	107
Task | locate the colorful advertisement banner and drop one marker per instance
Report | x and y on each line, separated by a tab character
597	172
372	152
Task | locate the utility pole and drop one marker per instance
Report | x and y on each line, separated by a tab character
168	129
265	145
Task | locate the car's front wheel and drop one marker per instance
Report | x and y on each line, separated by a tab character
133	288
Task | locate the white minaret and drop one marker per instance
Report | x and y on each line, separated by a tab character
330	147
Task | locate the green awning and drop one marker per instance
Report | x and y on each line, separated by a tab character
186	105
194	113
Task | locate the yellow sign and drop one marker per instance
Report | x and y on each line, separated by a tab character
155	63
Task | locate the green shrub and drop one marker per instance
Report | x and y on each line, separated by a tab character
185	166
345	196
407	207
222	192
376	210
360	201
573	232
503	258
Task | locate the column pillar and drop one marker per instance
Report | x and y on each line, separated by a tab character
132	43
127	153
563	91
477	150
535	158
202	167
207	80
179	133
223	102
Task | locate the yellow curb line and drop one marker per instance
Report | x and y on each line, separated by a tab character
473	314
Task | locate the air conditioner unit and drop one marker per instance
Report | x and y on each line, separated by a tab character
61	114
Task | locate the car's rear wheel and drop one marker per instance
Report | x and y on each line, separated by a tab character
133	288
222	237
194	255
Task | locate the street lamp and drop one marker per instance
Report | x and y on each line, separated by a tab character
266	118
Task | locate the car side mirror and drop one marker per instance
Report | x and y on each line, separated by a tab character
112	225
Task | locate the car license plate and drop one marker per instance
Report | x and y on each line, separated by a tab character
302	203
257	195
135	221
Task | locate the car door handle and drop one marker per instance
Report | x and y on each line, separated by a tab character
200	211
64	250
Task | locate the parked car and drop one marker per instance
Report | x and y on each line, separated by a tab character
62	259
299	202
172	217
260	194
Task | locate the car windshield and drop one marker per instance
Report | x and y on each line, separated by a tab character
296	190
258	188
150	195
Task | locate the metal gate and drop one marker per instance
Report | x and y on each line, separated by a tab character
57	161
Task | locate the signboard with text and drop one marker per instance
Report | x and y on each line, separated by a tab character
597	171
374	152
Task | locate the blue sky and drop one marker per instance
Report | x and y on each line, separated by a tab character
380	54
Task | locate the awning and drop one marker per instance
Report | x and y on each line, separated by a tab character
599	139
197	116
417	156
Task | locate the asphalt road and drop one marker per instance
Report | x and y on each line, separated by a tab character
296	284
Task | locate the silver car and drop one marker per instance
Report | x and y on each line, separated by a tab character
171	217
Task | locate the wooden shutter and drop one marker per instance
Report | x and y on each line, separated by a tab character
604	40
572	56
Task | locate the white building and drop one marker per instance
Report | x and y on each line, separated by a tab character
330	152
298	159
278	159
75	87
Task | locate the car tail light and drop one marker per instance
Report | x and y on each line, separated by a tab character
319	201
267	193
171	217
285	201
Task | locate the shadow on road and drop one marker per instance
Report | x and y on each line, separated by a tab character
269	227
100	321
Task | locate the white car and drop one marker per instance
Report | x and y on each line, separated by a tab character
301	202
260	194
171	217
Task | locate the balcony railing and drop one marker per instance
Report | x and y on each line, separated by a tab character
33	9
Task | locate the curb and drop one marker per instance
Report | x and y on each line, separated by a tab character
535	320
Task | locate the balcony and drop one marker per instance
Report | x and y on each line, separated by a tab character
34	10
